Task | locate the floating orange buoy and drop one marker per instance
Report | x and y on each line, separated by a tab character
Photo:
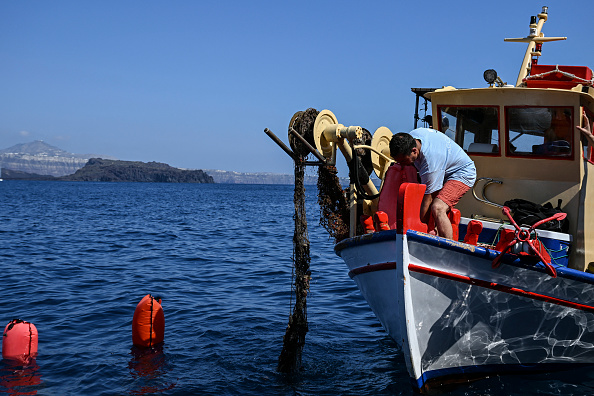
148	324
19	341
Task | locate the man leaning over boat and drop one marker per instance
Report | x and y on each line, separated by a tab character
444	167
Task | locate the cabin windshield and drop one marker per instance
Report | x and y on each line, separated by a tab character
539	131
474	128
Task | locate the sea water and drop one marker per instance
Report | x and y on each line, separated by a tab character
77	257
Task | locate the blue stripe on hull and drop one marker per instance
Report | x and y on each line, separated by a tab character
468	373
449	244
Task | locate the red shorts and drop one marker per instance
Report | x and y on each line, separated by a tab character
452	191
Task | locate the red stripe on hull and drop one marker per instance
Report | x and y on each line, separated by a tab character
498	287
372	268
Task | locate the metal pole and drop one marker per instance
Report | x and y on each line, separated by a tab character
416	110
280	143
309	146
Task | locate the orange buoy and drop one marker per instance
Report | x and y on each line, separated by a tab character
19	341
148	323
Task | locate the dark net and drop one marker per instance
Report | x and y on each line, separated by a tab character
334	209
303	124
334	215
294	339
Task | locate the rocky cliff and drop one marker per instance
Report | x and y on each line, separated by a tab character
104	170
229	177
53	166
42	159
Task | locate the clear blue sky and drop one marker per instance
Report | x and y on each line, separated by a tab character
194	83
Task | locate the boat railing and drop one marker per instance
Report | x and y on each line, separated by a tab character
488	182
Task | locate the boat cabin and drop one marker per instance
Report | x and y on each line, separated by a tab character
525	138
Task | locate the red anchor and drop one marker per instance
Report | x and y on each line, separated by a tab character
523	235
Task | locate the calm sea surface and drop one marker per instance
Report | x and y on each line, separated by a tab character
76	258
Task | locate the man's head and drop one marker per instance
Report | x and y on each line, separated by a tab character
403	148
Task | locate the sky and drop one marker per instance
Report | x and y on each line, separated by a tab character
194	83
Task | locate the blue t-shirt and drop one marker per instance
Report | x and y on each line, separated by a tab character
441	159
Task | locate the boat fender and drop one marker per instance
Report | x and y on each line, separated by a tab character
473	231
19	341
367	223
148	323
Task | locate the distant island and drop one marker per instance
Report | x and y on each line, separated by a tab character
230	177
105	170
40	161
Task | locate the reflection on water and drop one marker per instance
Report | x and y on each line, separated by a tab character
147	367
17	378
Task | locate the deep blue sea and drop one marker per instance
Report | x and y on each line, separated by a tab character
77	257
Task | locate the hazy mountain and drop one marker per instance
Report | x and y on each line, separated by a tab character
39	147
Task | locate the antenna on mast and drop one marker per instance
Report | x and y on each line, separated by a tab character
534	39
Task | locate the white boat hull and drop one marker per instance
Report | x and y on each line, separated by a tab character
454	315
372	266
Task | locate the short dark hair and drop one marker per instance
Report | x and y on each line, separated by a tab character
402	144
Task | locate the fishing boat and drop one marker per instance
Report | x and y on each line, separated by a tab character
505	294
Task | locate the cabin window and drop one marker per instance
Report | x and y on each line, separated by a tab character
474	128
539	131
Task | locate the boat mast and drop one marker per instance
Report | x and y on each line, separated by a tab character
534	40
